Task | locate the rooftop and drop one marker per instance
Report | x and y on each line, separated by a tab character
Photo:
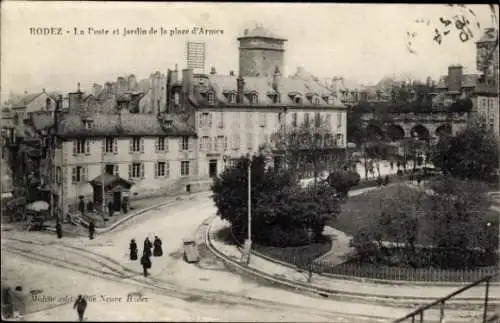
259	32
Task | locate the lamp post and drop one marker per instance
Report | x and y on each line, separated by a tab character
248	242
310	264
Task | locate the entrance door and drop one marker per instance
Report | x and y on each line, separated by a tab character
212	168
110	169
117	201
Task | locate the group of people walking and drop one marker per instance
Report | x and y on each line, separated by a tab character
146	253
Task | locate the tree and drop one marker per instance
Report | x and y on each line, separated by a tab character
343	180
309	147
472	153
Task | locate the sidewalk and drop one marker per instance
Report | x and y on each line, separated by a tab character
369	289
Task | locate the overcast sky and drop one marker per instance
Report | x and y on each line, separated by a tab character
363	42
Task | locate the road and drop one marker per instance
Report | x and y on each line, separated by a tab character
176	290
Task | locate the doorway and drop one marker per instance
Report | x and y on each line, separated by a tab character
117	201
109	169
212	168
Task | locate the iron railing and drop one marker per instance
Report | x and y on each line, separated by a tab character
442	301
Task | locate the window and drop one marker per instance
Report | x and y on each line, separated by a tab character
328	140
162	169
249	141
88	124
220	120
492	124
236	142
185	143
297	99
254	99
276	98
112	169
306	119
340	139
111	145
58	175
317	140
328	120
78	174
221	143
262	119
294	119
339	119
136	170
317	120
161	144
249	120
231	98
81	146
205	143
237	117
137	145
316	99
205	120
211	97
280	117
185	168
176	98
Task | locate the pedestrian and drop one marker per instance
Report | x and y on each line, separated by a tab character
146	263
59	229
391	163
110	209
147	247
80	305
81	206
133	250
91	229
157	250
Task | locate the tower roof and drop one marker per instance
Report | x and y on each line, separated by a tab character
259	32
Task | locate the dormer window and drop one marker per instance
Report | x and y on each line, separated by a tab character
231	98
167	123
211	97
88	123
254	98
316	99
297	99
277	98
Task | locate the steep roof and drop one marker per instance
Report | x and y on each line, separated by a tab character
109	179
42	120
261	32
26	99
262	86
128	124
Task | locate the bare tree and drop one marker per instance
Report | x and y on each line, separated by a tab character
310	147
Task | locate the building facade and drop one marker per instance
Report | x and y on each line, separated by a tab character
236	115
32	103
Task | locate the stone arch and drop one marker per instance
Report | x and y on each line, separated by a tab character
420	131
374	132
395	132
444	130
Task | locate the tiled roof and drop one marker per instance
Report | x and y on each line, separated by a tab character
263	88
127	125
42	120
468	80
259	31
26	99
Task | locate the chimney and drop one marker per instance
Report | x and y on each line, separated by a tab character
246	32
96	88
240	85
231	73
212	71
121	86
187	82
175	75
455	78
75	100
108	87
276	79
132	82
57	112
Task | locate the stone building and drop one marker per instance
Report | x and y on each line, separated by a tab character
235	114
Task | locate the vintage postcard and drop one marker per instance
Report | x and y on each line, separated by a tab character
286	162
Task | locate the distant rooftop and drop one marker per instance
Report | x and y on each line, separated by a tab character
259	31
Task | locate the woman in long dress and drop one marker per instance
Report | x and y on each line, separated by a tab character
157	250
133	250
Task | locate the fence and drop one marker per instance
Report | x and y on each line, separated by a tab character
489	313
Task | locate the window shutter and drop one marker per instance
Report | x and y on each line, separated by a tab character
156	170
75	145
73	174
115	146
167	169
142	170
131	146
130	171
117	170
157	143
190	146
104	146
142	145
84	174
87	147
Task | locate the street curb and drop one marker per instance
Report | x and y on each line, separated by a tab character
342	295
142	211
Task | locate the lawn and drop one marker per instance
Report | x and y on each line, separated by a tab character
362	210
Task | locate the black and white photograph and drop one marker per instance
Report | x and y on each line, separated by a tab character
249	162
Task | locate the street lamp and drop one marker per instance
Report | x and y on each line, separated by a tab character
248	242
310	264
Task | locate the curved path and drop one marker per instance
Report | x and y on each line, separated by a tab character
176	290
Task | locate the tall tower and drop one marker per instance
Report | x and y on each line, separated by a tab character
261	52
487	55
